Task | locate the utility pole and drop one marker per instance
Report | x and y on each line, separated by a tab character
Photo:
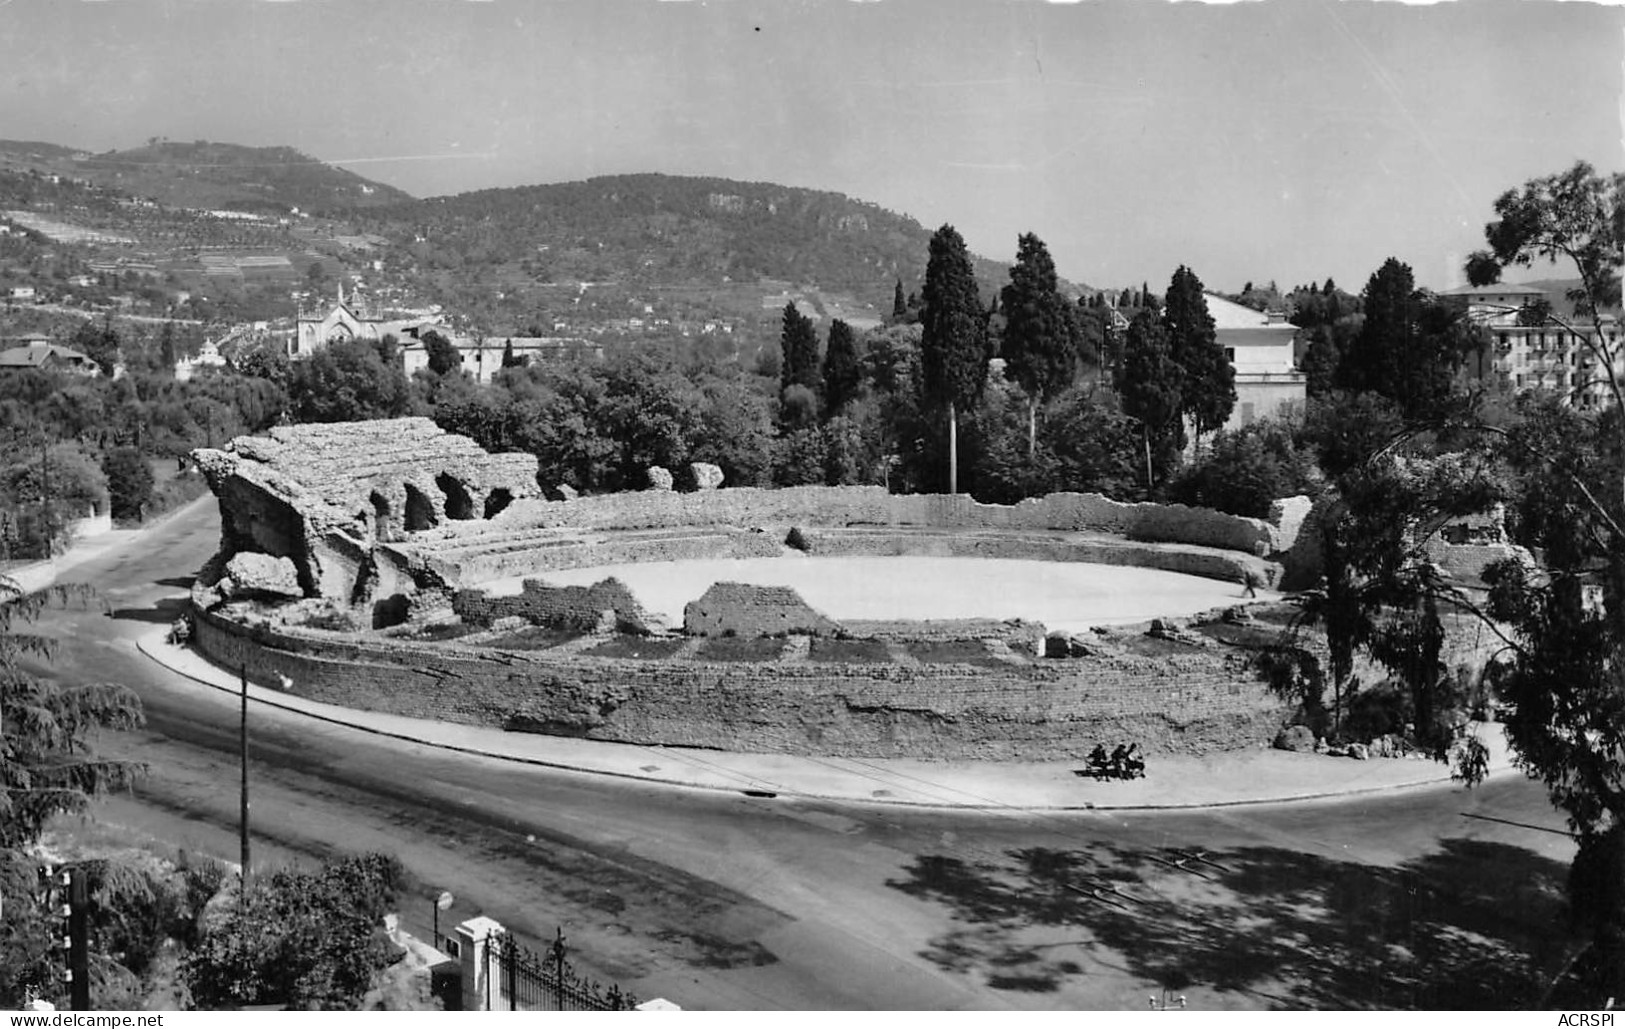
243	751
78	942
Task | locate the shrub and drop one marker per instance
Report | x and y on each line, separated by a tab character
1247	470
307	940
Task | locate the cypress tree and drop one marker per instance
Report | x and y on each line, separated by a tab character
1040	331
953	344
842	374
1209	390
800	345
899	303
1150	382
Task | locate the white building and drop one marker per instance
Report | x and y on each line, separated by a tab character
208	356
482	358
1259	346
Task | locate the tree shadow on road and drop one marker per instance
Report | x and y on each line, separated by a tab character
1475	925
163	612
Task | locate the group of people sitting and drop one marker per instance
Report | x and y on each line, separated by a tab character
1122	763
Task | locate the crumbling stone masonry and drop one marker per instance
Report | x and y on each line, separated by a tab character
333	498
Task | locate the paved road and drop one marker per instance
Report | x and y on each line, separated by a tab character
1433	898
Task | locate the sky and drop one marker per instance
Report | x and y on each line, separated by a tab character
1279	140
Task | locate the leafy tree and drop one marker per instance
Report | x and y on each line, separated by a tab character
1151	383
800	457
1208	389
46	768
1408	348
445	358
799	343
99	342
736	432
953	346
129	482
1483	269
355	380
798	408
1041	334
842	373
1247	470
1535	313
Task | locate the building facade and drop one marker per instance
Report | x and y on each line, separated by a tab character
1560	358
1259	346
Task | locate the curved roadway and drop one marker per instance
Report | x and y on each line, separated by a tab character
1433	897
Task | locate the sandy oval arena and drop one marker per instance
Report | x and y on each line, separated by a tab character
1064	596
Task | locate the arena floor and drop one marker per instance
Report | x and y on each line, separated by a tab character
1064	596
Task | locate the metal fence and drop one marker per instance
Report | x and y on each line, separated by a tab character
521	980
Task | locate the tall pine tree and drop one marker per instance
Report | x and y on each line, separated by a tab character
1209	382
953	344
1040	331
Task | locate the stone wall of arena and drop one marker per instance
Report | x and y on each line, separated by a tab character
873	506
1050	710
525	555
521	554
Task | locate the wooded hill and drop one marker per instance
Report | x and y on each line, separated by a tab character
209	175
673	230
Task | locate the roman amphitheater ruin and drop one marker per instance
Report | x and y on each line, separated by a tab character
395	567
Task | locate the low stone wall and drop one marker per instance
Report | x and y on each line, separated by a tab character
1187	560
834	506
742	609
560	607
1050	710
528	554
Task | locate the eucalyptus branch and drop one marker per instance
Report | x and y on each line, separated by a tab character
1585	491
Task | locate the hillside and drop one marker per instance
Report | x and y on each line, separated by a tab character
628	256
210	175
662	230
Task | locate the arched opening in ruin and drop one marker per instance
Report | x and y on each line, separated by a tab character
390	611
383	520
497	501
459	505
420	513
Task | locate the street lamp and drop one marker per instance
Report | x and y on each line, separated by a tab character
441	903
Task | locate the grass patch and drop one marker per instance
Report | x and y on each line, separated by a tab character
1241	634
532	637
954	652
739	648
640	648
850	652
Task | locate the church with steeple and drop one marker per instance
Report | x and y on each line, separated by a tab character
335	323
350	318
